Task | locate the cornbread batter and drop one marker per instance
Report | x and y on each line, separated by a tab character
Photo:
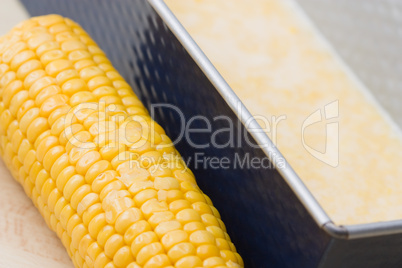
339	141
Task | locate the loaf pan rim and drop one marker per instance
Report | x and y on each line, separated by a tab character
305	196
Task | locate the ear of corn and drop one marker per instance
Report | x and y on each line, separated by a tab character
102	173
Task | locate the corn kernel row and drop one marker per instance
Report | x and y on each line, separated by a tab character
102	173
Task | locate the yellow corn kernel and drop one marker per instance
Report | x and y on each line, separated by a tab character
160	171
91	212
52	55
135	230
29	160
47	46
77	260
28	67
17	101
78	55
73	86
142	240
166	183
210	220
216	231
114	186
60	164
40	84
60	204
159	217
195	196
96	224
72	223
78	233
9	92
145	195
110	265
191	227
85	242
52	155
79	194
45	145
123	257
127	218
181	250
213	262
133	265
179	205
54	197
57	113
103	179
37	127
102	173
21	58
72	185
52	103
158	261
56	66
148	251
86	202
202	237
46	93
86	161
207	251
70	133
113	244
66	75
239	259
202	208
167	226
99	81
96	169
222	244
187	215
188	262
173	238
93	252
102	260
66	213
228	256
79	141
138	186
34	171
43	175
82	96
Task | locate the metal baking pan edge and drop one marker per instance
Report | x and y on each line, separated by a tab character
292	179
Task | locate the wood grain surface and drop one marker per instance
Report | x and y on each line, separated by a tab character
25	239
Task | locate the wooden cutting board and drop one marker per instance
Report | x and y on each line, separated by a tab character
25	239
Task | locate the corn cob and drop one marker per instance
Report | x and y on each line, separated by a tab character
102	173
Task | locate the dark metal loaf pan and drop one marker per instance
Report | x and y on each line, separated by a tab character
271	216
